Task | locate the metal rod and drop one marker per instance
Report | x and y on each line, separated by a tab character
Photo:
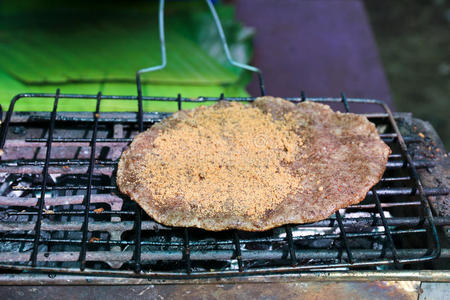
385	205
152	117
291	245
338	214
302	96
41	200
65	188
237	246
6	122
162	43
116	200
227	50
386	227
417	182
344	100
82	141
75	212
203	99
344	237
87	200
113	187
153	68
403	178
416	164
221	255
140	109
122	212
187	251
85	162
111	242
357	223
38	279
138	210
137	241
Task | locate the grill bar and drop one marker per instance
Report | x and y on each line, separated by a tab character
224	255
44	181
386	227
130	118
89	186
113	201
65	188
179	101
344	237
318	276
375	195
140	116
418	184
362	222
197	244
76	166
200	99
127	228
109	277
338	215
187	251
137	241
403	178
124	213
237	245
291	245
113	187
344	100
138	218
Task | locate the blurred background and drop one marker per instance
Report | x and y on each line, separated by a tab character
395	51
413	38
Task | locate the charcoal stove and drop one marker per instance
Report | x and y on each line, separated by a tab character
61	212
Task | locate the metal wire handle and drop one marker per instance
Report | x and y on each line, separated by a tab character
224	45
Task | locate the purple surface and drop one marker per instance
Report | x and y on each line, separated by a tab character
323	47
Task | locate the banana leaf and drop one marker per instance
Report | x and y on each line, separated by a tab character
9	87
90	48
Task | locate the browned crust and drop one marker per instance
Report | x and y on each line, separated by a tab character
346	155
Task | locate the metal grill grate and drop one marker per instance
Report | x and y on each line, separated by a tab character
60	210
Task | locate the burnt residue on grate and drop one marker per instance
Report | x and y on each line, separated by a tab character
86	226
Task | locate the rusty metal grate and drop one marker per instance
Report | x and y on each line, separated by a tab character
60	210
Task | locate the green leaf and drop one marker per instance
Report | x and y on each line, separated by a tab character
87	47
9	87
112	53
70	47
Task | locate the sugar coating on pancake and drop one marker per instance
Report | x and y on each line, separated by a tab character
252	166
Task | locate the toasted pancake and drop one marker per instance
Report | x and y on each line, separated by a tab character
252	166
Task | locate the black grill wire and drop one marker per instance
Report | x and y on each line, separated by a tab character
348	260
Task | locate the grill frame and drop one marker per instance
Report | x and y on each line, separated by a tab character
346	258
